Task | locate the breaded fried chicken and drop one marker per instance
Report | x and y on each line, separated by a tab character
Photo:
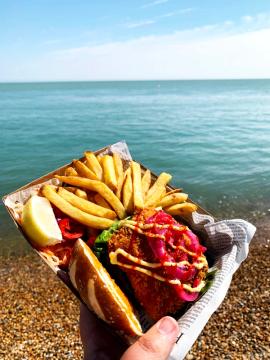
158	298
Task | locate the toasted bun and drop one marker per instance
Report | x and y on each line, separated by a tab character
99	291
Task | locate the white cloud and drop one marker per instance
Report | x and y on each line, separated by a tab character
137	24
176	12
247	18
212	51
261	20
228	23
154	3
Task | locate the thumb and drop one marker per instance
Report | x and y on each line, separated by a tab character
156	344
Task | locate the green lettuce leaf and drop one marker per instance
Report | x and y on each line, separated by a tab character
101	241
209	279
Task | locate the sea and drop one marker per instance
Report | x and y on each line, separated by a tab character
213	137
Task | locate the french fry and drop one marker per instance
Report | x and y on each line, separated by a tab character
154	199
183	209
71	188
163	193
75	213
173	191
172	199
137	185
146	182
81	193
98	187
109	172
120	183
101	201
83	170
155	192
100	159
127	192
93	164
162	180
90	195
85	205
119	172
70	171
118	165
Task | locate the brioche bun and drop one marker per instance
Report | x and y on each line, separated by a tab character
99	291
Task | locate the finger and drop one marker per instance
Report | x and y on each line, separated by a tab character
157	343
98	342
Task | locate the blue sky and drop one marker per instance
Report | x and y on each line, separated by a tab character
164	39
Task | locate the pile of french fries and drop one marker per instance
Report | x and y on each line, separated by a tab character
100	189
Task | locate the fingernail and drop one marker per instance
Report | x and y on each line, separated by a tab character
167	325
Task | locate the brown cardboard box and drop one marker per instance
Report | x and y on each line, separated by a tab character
14	200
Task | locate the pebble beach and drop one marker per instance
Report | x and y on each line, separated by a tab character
40	316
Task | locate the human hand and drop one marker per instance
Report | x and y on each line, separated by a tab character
99	343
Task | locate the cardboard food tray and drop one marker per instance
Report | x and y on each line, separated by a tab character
203	223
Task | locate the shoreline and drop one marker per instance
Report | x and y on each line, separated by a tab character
39	315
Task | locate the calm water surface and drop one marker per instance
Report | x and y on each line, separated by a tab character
212	136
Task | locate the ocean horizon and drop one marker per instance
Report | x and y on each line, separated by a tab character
213	136
131	80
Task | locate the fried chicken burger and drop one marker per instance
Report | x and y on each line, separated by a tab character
163	262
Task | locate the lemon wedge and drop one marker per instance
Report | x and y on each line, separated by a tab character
39	222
